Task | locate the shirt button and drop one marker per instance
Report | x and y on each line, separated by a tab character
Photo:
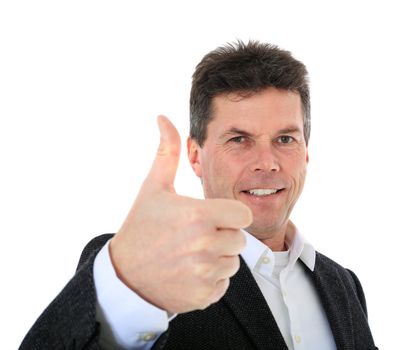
148	336
298	339
265	260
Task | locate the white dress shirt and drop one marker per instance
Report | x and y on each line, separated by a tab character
289	291
129	322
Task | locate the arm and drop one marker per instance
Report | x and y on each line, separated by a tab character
91	312
69	322
127	321
359	291
356	284
168	251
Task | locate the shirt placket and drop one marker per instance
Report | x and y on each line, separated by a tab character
292	307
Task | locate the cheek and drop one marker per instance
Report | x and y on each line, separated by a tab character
219	174
300	177
294	168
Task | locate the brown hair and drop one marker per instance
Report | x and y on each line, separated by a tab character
245	68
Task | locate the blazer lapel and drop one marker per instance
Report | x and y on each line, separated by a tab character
334	298
247	303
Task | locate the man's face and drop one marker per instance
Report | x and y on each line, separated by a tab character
255	152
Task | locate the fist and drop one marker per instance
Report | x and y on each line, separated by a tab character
178	253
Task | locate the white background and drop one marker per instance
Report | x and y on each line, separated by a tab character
81	84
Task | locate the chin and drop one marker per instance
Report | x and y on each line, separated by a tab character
262	229
266	225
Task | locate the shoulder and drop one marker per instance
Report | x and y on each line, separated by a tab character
326	265
69	321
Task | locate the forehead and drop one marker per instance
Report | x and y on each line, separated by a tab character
266	110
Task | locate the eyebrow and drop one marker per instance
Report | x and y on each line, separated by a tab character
290	130
234	131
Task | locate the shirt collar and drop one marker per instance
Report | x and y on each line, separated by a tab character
299	248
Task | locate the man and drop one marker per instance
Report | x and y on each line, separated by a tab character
230	271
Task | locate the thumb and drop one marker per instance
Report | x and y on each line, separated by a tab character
163	170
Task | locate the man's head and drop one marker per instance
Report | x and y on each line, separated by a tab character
244	68
250	125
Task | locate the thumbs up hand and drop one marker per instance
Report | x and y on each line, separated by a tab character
178	253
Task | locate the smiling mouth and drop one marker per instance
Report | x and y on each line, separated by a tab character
261	192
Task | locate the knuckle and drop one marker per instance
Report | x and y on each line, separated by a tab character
201	267
221	290
241	239
195	215
204	298
205	295
202	241
235	265
202	271
232	265
205	241
198	240
203	305
166	149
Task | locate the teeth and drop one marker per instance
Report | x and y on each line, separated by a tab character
262	192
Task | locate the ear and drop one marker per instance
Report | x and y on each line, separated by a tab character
307	154
193	150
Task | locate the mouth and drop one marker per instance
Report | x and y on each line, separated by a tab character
262	192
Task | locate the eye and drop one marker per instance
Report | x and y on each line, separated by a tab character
285	139
238	139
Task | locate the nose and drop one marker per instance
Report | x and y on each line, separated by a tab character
264	158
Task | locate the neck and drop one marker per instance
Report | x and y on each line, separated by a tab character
276	244
276	239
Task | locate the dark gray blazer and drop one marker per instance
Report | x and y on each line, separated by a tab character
240	320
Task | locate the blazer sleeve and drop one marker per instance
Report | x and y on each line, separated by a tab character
69	322
359	291
361	296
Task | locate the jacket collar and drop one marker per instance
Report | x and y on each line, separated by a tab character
251	309
335	300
